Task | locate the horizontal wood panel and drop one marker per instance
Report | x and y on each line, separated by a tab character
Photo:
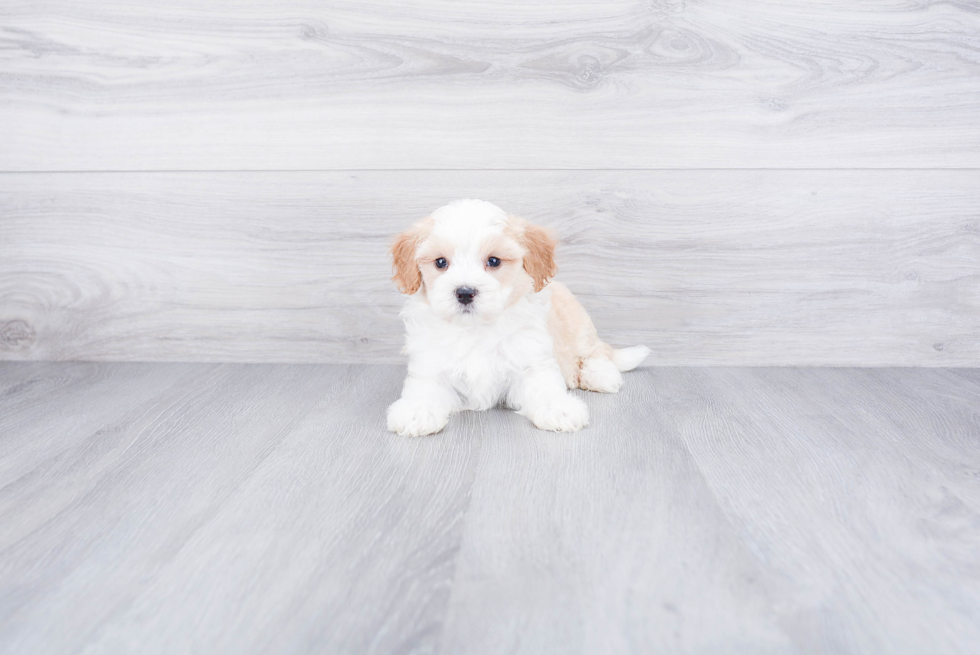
705	267
561	85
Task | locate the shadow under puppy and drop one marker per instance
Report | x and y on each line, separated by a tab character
484	326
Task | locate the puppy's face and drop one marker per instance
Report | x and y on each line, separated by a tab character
472	261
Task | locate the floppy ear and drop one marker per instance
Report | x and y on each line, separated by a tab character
540	259
407	276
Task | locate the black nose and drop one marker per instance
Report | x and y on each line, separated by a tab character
465	295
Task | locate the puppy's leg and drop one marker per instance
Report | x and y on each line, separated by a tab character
540	395
599	373
585	360
424	408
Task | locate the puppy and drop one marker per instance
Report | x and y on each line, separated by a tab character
484	326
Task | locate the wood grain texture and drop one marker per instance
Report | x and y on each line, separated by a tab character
609	540
249	508
437	84
859	268
250	486
804	462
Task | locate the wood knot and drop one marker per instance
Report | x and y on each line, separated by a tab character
16	335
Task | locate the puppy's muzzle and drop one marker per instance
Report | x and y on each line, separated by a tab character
465	295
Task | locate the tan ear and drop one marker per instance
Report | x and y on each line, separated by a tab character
407	276
540	259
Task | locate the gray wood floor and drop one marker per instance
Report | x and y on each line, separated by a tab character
262	508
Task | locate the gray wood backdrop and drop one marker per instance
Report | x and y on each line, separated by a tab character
735	182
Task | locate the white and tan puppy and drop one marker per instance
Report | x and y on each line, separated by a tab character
485	327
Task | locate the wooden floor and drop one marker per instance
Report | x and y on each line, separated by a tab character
220	508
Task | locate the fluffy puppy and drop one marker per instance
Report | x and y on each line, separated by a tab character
484	326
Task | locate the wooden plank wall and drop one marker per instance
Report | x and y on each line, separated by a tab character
735	182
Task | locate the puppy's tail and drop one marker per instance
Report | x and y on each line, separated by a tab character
626	359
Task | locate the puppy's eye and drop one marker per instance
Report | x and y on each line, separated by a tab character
441	263
493	262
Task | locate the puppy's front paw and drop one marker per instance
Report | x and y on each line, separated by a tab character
411	420
567	414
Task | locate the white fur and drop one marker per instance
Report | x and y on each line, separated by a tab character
600	374
460	365
496	351
466	223
626	359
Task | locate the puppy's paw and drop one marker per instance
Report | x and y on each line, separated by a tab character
411	420
566	414
600	374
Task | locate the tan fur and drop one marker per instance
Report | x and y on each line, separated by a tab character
575	337
407	276
539	262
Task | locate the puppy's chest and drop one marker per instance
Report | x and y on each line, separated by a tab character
481	372
482	361
483	366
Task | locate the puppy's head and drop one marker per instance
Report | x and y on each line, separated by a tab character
471	260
